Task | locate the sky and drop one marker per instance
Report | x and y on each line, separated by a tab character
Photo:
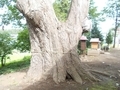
105	26
108	23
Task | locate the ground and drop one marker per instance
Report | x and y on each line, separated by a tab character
108	64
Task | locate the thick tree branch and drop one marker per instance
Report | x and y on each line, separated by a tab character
78	11
36	10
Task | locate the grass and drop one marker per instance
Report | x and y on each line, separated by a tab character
16	56
16	65
104	86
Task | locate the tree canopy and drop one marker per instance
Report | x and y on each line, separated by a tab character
95	33
112	10
61	8
23	41
109	38
96	18
11	14
6	46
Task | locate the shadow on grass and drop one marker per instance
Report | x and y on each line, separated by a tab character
16	65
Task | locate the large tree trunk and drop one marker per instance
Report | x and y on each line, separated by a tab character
54	44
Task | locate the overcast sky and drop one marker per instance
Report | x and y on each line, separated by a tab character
109	23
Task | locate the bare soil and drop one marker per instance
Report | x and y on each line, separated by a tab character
104	66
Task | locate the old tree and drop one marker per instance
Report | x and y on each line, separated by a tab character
54	43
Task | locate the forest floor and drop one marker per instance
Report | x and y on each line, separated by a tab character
108	64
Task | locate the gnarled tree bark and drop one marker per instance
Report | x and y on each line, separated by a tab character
54	44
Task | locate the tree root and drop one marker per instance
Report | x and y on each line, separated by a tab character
100	72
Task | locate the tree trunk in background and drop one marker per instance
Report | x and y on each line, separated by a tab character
54	44
2	61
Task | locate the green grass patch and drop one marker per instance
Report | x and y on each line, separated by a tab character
105	86
16	65
16	56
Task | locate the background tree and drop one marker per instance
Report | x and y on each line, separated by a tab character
6	46
112	10
88	35
109	38
23	41
96	17
93	13
14	17
95	33
61	8
11	14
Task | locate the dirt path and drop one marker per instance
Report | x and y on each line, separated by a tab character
109	62
9	80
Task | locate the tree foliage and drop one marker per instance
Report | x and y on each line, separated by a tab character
23	41
88	35
14	17
93	10
111	8
109	37
61	8
6	46
94	15
96	18
95	33
11	15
